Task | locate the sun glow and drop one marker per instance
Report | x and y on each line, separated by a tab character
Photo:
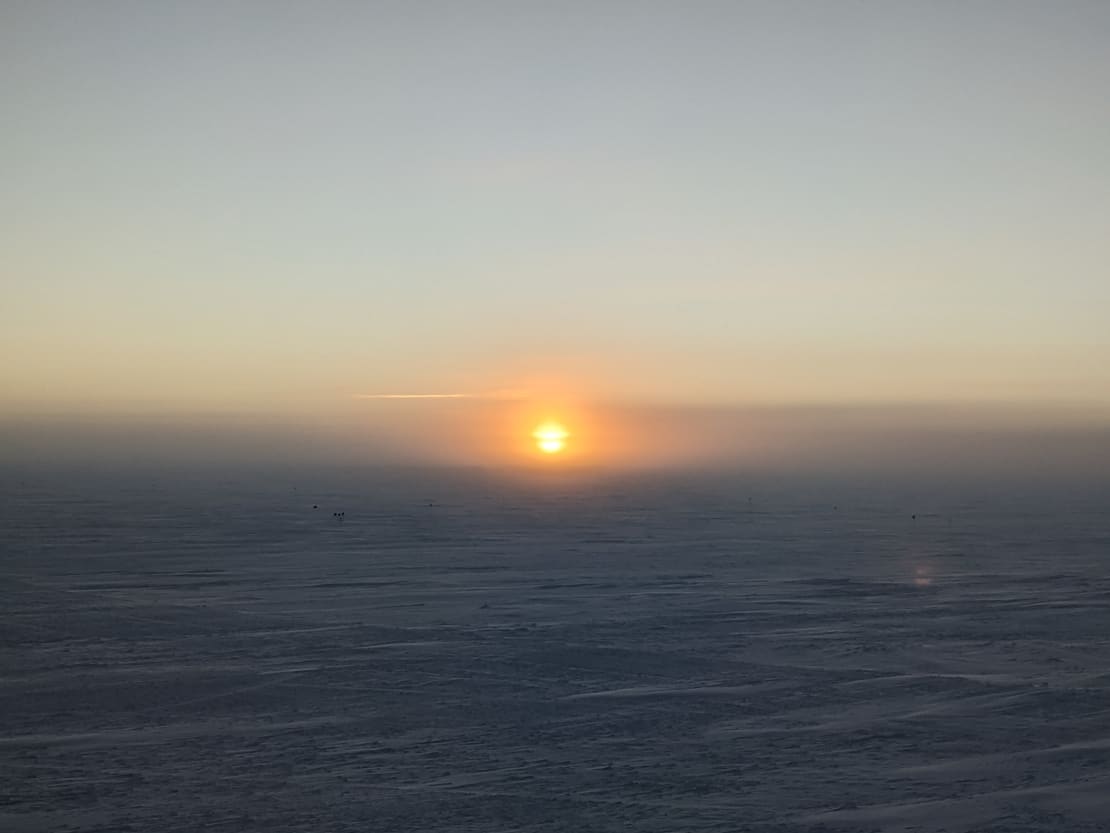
551	437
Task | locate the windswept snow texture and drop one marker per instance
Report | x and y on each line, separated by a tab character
461	652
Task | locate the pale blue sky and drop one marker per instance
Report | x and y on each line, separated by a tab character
266	204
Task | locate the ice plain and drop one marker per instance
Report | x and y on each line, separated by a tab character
466	651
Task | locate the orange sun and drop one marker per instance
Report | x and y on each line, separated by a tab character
551	437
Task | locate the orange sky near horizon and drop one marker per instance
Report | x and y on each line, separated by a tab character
219	214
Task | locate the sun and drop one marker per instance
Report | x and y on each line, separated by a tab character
551	437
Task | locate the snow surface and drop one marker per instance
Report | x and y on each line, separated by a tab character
468	652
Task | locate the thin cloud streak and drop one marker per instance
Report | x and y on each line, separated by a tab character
495	394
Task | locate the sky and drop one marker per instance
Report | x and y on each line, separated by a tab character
280	211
